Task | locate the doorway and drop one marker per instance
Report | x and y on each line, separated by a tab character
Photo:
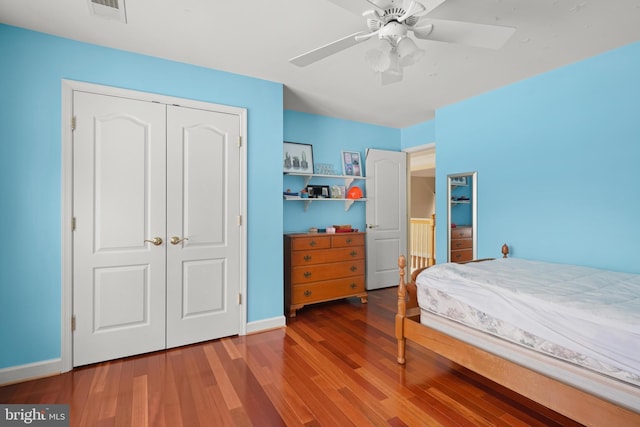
422	191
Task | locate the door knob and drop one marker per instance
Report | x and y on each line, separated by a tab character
156	241
371	226
175	240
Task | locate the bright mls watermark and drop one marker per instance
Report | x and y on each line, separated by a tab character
34	415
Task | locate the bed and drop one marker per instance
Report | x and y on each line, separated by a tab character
551	362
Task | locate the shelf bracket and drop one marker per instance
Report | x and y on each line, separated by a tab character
347	204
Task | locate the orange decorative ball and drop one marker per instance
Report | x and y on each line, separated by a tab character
354	193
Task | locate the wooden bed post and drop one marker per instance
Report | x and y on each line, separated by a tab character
505	250
402	310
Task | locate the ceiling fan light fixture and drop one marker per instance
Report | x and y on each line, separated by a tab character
395	67
378	60
408	52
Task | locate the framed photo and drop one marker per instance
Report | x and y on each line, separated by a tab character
458	180
351	163
298	158
318	191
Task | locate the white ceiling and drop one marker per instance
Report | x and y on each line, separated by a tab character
257	37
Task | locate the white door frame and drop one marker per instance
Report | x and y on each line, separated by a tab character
417	148
68	87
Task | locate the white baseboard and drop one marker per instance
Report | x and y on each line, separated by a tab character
15	374
266	324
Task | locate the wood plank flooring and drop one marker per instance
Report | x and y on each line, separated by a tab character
334	365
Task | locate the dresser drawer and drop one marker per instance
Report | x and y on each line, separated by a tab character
321	256
315	273
461	232
461	244
327	290
347	239
311	242
462	255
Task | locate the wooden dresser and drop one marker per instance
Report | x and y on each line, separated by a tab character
323	267
461	244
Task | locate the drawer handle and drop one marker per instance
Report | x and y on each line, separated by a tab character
353	253
307	257
353	268
458	244
312	243
307	293
307	274
353	286
349	241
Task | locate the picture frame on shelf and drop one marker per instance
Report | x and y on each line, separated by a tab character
318	191
351	163
458	180
297	158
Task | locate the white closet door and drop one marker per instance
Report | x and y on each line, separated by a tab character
203	208
118	203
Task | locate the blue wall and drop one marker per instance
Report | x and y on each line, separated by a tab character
30	174
417	135
329	137
558	160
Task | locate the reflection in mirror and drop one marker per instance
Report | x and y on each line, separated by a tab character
462	215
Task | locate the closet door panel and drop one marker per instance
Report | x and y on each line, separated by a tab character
203	266
119	205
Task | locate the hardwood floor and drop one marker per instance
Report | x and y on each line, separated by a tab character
334	365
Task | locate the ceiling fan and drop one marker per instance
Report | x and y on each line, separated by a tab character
391	21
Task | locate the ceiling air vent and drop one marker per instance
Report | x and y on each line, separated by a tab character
110	9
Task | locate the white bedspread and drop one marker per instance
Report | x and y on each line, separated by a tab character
590	311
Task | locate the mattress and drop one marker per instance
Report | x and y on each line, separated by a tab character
585	316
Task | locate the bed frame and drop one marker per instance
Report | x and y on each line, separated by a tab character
535	378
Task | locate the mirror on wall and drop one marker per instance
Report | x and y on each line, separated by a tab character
462	216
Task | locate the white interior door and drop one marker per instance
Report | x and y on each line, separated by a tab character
386	214
118	204
203	207
157	249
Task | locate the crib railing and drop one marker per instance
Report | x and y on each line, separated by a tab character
422	242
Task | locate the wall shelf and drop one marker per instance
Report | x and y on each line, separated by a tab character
307	202
348	181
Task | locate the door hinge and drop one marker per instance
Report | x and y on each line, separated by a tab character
73	224
239	141
239	220
73	123
73	323
239	299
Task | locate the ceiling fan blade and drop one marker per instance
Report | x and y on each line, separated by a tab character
465	33
382	4
414	8
327	50
355	6
372	14
366	36
422	31
431	5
